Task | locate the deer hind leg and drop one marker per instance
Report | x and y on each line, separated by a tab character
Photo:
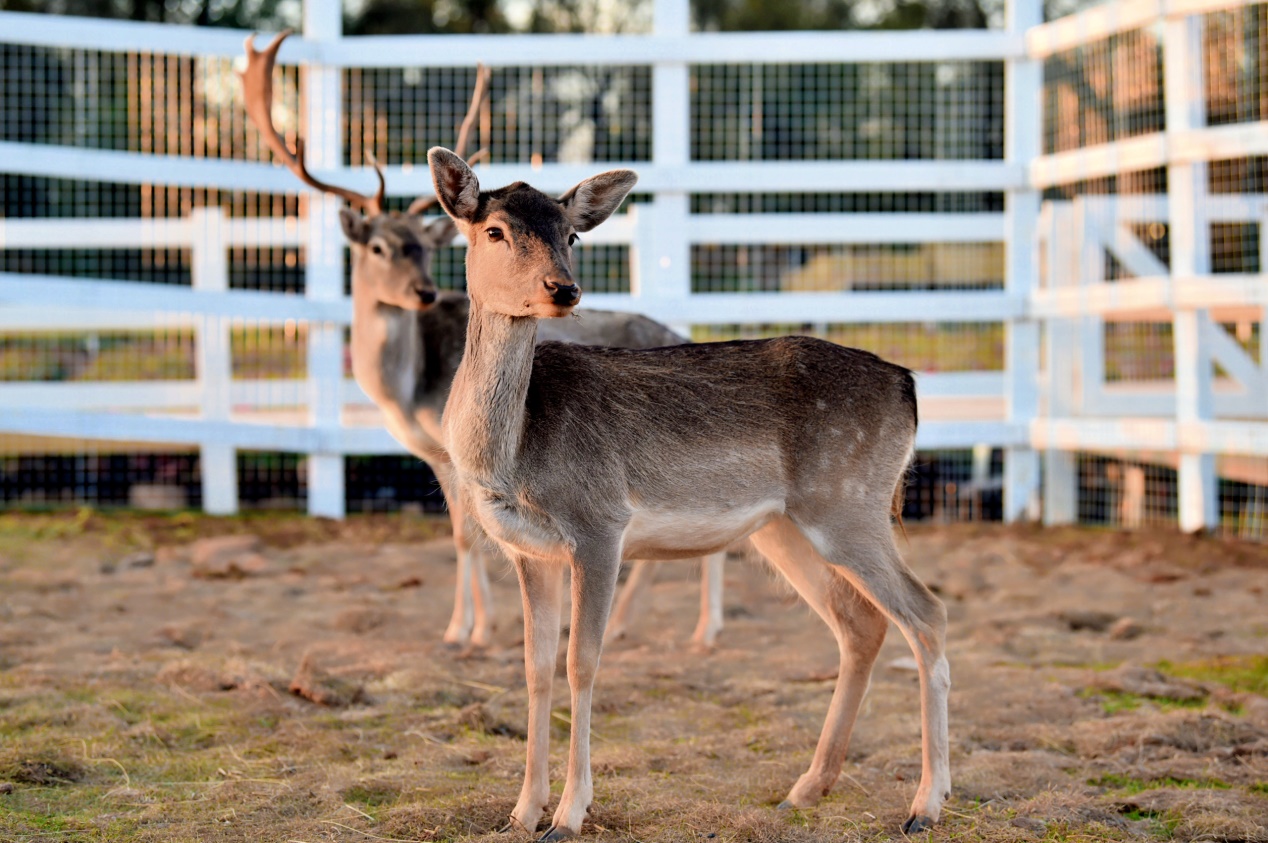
710	623
641	575
594	572
481	597
861	546
463	618
540	588
859	629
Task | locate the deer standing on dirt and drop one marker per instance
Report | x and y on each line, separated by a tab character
408	339
577	457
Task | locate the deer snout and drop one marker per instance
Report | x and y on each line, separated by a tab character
563	292
426	295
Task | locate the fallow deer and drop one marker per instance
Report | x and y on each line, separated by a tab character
408	338
576	457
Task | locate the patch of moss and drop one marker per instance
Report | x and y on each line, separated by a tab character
1259	787
1238	673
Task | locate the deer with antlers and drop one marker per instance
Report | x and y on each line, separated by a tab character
576	457
408	339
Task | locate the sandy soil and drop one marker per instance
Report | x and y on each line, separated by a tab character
1106	686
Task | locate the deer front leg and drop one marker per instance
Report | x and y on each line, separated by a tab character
710	623
458	632
594	571
540	588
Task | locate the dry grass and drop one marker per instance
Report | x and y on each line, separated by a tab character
138	702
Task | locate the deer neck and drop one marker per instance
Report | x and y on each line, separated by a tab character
484	419
385	354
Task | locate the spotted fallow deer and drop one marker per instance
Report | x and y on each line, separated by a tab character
576	457
408	339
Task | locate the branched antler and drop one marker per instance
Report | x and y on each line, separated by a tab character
478	96
257	88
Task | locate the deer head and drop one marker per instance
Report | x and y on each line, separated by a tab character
391	251
520	241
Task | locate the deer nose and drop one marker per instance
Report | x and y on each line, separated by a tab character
427	296
562	294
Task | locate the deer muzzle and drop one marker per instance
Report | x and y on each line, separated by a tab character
563	294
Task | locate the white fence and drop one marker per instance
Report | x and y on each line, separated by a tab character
1038	401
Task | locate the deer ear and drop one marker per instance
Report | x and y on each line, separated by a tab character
593	200
355	227
457	187
441	231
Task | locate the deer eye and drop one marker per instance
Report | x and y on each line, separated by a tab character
572	239
495	234
376	248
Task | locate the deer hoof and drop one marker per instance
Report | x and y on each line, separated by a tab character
916	824
555	833
786	806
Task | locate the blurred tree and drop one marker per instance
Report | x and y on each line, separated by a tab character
422	17
601	16
237	14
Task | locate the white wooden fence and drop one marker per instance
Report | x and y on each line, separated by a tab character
1023	409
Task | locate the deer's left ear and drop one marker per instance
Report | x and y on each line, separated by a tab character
593	200
355	227
457	187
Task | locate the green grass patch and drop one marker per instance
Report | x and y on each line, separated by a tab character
372	794
1131	786
1114	702
1161	824
1238	673
1259	787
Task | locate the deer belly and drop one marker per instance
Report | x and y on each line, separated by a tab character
679	533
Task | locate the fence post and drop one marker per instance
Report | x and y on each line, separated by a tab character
323	279
663	251
1060	476
1023	88
213	362
1198	492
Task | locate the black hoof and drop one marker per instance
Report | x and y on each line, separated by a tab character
554	834
917	824
786	806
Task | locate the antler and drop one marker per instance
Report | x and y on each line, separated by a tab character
257	89
478	96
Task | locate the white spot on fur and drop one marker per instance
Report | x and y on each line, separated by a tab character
820	404
816	537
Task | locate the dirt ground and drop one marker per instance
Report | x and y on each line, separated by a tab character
1106	686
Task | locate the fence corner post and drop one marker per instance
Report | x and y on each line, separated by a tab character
1023	86
1183	73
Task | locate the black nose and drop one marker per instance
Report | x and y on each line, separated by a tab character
428	296
563	294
